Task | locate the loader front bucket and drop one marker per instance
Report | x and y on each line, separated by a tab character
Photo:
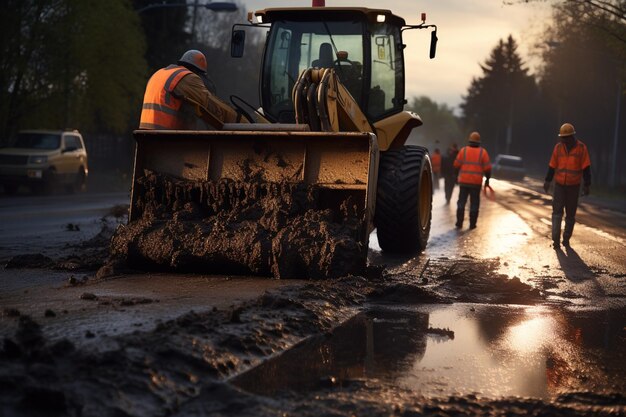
340	167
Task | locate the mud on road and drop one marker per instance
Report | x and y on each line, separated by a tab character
204	362
190	365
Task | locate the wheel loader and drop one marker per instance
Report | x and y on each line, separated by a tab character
332	93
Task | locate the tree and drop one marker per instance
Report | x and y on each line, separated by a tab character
166	31
606	15
232	76
441	127
583	77
500	103
170	31
69	63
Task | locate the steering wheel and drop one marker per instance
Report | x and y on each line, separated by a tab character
345	70
338	62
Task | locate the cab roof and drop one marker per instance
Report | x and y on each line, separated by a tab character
326	13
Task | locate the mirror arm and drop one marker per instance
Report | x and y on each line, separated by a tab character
420	26
433	36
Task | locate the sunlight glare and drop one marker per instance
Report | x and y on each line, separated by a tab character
530	335
507	233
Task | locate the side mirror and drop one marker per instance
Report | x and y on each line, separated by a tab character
433	43
69	149
237	43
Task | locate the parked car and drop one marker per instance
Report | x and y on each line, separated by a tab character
508	167
45	160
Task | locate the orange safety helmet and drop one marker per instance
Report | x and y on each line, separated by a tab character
474	137
567	129
195	59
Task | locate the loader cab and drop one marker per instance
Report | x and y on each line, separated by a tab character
364	46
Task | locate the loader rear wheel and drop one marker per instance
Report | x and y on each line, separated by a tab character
404	199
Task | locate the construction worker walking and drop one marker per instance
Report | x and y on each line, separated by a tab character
435	160
448	172
472	162
569	166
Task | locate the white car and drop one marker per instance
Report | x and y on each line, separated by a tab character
508	167
43	160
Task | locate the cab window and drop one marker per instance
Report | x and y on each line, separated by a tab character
296	46
279	79
386	94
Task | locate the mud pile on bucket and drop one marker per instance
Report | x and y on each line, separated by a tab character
234	227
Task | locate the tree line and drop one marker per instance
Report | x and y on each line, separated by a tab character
581	81
69	63
85	63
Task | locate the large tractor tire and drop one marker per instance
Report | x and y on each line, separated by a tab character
404	200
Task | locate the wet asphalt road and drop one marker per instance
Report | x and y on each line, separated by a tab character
519	217
39	224
493	351
514	230
590	277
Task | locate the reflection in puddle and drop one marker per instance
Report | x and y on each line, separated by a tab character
507	232
494	351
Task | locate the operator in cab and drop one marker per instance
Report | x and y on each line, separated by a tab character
177	94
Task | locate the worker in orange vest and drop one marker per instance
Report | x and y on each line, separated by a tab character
448	171
435	160
472	162
168	90
569	166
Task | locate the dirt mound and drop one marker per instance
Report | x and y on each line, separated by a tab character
231	227
156	372
476	281
30	260
361	398
88	255
183	366
402	293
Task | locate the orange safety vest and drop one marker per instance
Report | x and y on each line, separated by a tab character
569	166
472	163
436	161
160	106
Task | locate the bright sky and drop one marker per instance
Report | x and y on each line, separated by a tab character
467	30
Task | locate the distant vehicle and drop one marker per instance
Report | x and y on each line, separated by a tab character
508	167
44	160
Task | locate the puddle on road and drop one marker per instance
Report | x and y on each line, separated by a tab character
495	351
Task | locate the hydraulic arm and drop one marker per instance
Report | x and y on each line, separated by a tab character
323	102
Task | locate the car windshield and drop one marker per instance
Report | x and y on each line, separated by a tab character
47	141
